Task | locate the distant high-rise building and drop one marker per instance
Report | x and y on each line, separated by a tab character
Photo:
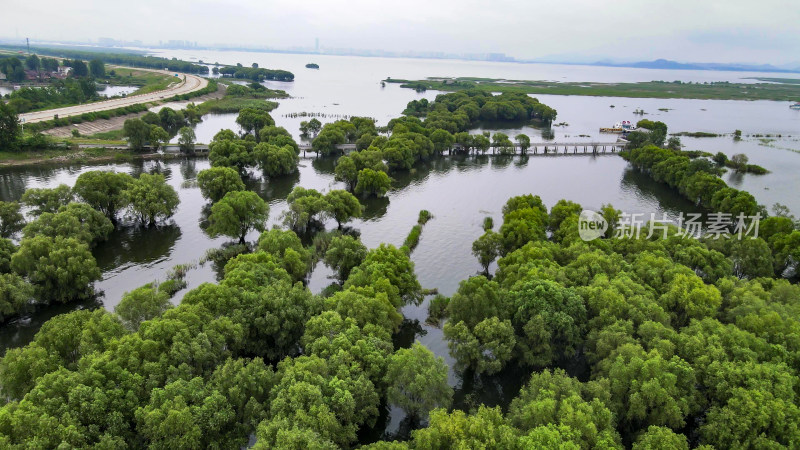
316	45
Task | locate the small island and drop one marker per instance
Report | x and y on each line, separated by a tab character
312	66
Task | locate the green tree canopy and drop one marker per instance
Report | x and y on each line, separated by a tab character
138	133
97	68
217	181
103	191
61	269
649	389
16	295
186	140
158	137
230	153
11	219
372	182
388	270
10	130
553	397
343	254
346	172
237	214
42	200
141	304
485	348
549	320
274	160
76	220
252	120
151	199
487	248
305	205
342	206
417	381
286	246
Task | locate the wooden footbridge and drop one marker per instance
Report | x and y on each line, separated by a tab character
537	148
559	148
550	148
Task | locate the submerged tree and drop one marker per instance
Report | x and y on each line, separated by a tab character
487	248
103	191
230	153
43	200
417	381
151	199
138	305
215	182
305	205
346	171
274	160
252	120
238	213
60	269
373	182
343	206
76	220
11	219
343	254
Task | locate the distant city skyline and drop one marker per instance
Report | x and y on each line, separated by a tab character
567	31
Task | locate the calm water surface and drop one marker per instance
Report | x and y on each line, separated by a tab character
459	191
111	91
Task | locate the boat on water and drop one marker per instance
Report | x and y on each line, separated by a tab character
620	127
795	105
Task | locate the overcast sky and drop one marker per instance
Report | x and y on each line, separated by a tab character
764	31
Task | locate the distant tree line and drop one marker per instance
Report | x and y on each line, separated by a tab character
127	59
254	73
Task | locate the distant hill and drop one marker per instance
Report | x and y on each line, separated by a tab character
666	64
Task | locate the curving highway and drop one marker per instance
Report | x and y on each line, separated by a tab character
188	83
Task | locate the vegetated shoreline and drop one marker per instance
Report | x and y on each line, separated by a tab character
102	154
627	314
211	100
86	156
784	90
144	80
147	80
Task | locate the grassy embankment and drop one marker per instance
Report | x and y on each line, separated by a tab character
90	117
72	155
238	97
146	81
780	89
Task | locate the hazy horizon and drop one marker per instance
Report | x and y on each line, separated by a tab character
570	31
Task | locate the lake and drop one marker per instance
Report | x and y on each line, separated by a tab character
459	191
110	91
350	86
